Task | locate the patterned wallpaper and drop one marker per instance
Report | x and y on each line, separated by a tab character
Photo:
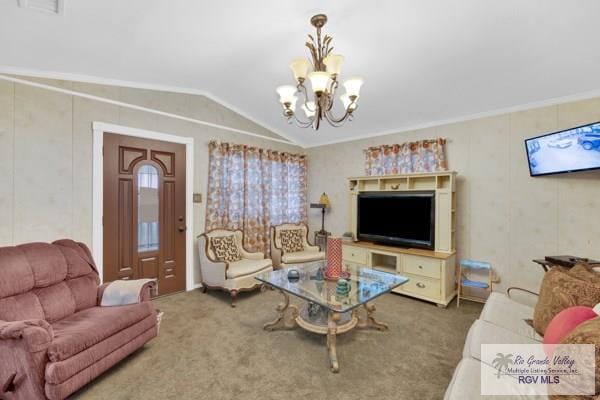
46	152
504	216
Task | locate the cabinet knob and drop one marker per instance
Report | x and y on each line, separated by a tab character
420	267
420	285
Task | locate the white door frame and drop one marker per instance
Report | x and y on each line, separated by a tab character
99	128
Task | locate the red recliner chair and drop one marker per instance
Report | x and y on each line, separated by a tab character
54	336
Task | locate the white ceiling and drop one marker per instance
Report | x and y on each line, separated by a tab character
423	61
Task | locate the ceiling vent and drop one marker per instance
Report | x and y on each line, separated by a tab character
56	7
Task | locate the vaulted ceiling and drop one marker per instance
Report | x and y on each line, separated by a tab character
423	61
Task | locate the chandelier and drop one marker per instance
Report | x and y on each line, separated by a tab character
324	81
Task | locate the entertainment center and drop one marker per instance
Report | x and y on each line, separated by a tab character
425	220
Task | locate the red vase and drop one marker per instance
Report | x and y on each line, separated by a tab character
334	257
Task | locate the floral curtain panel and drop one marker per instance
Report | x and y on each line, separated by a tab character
406	158
252	189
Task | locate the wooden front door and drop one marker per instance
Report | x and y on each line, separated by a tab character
144	211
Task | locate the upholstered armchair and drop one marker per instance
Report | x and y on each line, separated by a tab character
226	265
289	245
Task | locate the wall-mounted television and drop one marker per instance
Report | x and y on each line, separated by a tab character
401	219
571	150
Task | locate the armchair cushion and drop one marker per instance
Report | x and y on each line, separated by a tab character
291	240
226	248
88	327
303	256
247	266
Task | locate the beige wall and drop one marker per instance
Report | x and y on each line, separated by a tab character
46	152
504	216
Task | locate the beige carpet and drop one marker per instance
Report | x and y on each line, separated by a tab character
207	350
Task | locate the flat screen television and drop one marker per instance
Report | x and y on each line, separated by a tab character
575	149
401	219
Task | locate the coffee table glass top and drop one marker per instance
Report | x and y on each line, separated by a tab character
365	285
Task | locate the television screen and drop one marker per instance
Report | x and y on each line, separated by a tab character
575	149
404	219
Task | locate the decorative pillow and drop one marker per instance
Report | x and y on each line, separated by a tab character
586	333
225	248
564	323
291	240
561	290
585	273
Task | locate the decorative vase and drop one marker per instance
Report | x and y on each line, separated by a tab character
334	257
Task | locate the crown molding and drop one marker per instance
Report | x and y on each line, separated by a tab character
139	108
500	111
34	73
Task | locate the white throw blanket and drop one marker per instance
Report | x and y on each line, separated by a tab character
123	292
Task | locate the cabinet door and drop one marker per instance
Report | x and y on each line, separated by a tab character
424	266
422	286
354	254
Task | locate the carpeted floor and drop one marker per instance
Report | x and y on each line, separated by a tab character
207	350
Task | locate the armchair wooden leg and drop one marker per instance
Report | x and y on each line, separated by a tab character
234	294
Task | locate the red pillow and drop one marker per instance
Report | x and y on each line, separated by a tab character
563	323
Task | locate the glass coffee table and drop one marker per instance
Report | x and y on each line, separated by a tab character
323	310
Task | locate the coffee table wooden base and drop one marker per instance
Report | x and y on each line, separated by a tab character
337	323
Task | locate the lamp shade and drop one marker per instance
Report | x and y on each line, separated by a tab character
353	85
333	63
293	101
310	110
287	93
347	101
300	68
319	81
324	200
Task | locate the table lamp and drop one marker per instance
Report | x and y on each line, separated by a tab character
322	204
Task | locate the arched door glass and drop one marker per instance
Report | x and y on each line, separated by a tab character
148	206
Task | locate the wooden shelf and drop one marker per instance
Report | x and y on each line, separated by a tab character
402	250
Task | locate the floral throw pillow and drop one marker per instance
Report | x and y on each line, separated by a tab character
291	240
225	248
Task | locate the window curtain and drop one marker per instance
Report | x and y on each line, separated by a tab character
406	158
251	189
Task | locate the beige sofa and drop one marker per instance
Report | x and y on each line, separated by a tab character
502	320
281	258
233	277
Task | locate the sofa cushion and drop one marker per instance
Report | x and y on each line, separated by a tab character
47	263
466	383
302	256
78	263
501	310
85	328
246	267
225	248
60	371
57	301
291	240
65	389
16	276
84	290
483	332
21	307
560	290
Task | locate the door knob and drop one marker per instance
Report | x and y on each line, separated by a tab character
182	228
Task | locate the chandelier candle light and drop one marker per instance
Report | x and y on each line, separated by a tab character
324	81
